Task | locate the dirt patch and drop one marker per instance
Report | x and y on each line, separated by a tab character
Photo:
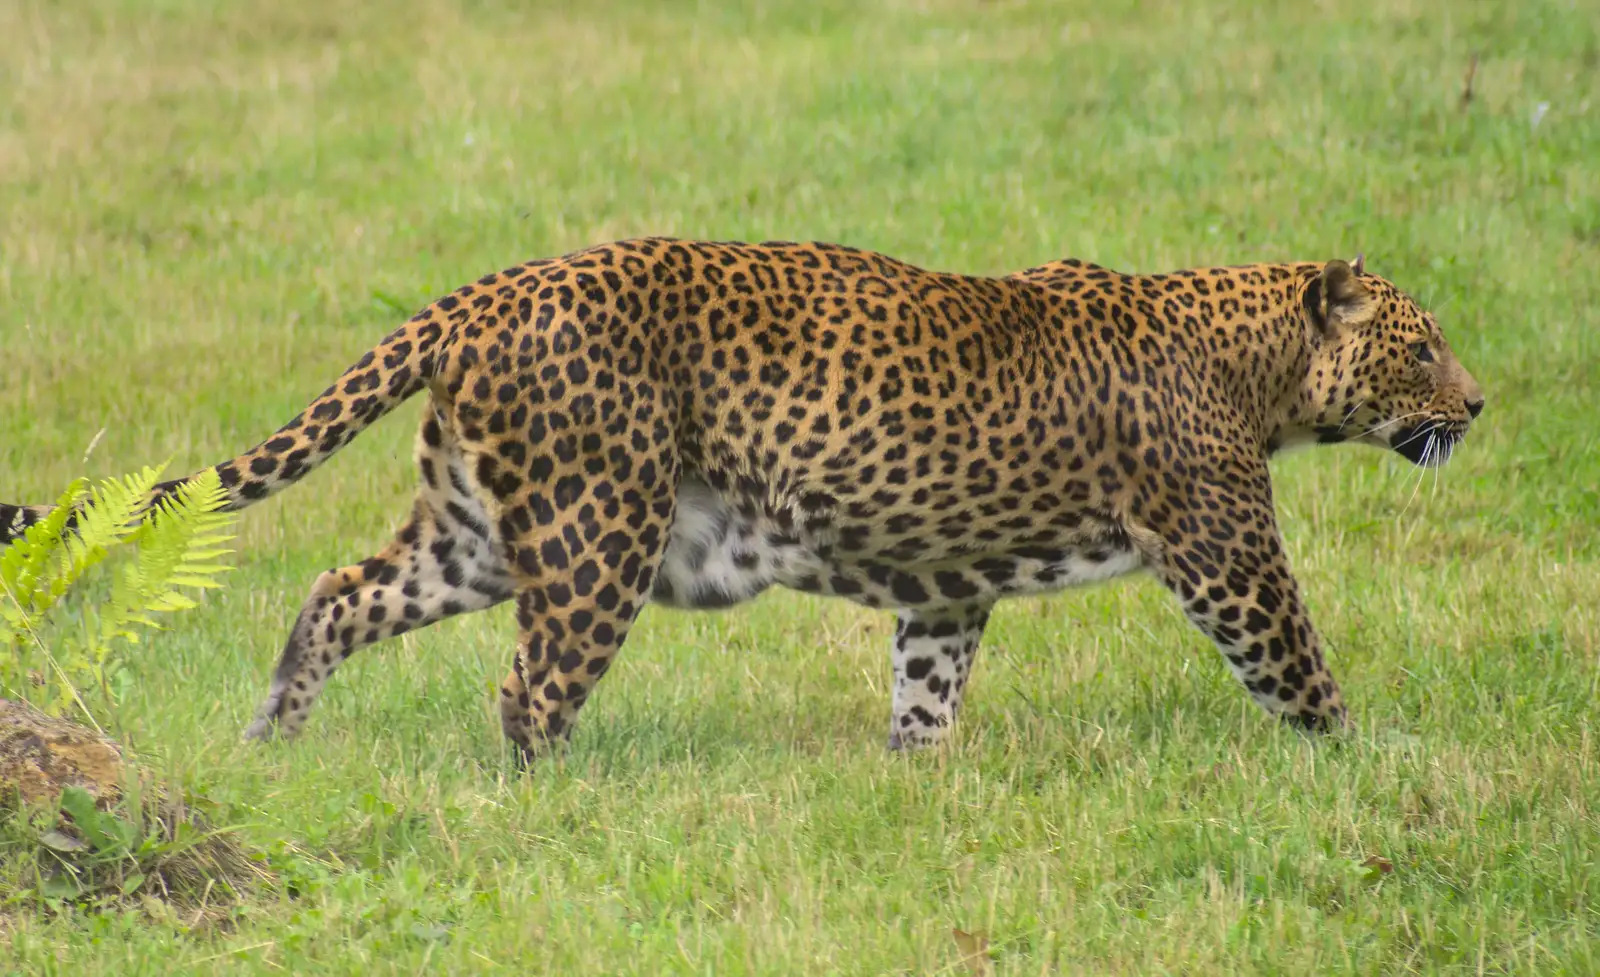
81	828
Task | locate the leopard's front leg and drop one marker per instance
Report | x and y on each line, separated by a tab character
933	653
1225	561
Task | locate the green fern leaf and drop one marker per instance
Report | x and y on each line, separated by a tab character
110	516
27	588
174	543
177	551
172	600
24	562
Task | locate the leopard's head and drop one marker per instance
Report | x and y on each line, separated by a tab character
1381	372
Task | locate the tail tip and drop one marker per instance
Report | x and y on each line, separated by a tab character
15	520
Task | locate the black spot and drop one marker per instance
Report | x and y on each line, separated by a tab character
1256	622
907	588
954	584
554	554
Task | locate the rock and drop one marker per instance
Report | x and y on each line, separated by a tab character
40	754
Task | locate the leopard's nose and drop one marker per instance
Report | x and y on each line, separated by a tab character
1475	406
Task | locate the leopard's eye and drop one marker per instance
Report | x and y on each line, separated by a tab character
1421	351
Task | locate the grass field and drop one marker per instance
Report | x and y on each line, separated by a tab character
208	209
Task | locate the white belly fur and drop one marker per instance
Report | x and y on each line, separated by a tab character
717	557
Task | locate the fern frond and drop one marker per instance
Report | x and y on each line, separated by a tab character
176	546
27	586
109	518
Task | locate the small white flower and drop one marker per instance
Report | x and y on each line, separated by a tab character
1539	112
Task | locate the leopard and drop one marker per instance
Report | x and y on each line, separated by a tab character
692	423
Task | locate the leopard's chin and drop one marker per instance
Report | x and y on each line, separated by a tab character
1430	443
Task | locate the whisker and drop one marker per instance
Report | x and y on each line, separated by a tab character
1376	428
1426	432
1391	422
1351	414
1422	475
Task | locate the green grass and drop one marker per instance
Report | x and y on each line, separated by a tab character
208	209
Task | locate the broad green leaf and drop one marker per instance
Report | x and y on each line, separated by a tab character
58	840
60	886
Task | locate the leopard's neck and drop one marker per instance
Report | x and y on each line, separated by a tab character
1241	330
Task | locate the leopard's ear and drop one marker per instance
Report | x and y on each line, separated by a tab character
1341	287
1337	297
1360	266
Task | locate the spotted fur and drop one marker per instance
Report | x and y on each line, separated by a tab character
692	423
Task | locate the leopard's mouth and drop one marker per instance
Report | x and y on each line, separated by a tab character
1430	443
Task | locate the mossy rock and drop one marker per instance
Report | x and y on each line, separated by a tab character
40	754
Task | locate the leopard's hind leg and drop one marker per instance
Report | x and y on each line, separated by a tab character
444	561
584	541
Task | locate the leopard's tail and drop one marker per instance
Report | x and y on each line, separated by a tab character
376	384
